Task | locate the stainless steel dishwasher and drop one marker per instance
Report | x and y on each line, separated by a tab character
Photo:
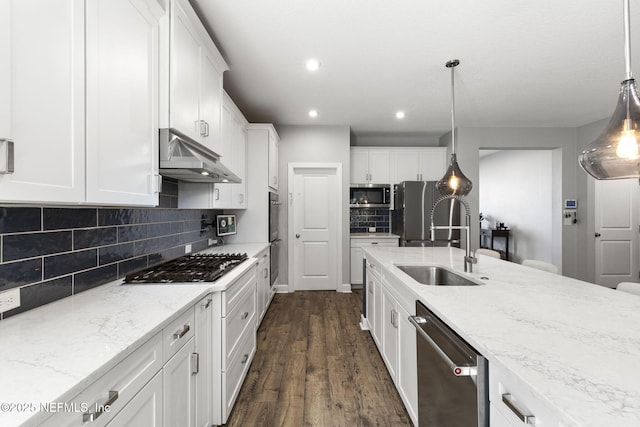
453	386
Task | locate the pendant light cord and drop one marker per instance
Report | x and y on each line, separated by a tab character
453	113
627	41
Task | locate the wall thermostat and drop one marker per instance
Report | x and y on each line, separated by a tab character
570	204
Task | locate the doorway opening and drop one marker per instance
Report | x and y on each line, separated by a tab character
522	189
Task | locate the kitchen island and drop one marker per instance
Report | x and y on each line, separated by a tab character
572	345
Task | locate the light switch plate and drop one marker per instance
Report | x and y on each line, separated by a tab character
187	249
9	300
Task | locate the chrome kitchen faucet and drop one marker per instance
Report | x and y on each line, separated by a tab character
469	259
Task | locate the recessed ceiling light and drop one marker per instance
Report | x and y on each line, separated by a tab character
204	173
313	113
313	64
400	115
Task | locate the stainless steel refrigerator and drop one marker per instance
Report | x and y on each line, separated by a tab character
411	220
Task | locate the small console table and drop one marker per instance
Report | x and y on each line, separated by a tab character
487	235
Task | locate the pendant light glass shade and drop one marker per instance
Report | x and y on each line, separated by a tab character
453	183
616	152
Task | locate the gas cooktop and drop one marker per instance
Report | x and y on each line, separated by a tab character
188	269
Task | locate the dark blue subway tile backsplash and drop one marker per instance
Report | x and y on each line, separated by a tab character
19	220
362	219
64	218
54	252
19	246
19	273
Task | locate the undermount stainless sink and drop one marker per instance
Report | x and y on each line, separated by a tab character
436	276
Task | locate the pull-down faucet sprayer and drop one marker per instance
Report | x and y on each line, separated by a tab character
469	259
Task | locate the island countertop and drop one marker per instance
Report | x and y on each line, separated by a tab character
575	345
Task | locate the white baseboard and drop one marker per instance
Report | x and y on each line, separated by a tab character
282	288
364	323
346	288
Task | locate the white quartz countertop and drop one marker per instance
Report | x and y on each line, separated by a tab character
575	345
51	353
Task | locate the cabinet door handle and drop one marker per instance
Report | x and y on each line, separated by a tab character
266	273
241	197
195	363
216	193
204	128
370	287
100	408
246	356
246	313
6	155
525	418
205	306
183	332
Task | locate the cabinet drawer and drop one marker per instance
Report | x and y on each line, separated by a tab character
515	402
178	332
113	390
232	296
358	242
233	376
238	321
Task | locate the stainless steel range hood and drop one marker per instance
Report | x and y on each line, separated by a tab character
184	159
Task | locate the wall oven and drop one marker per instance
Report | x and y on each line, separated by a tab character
453	387
370	196
274	239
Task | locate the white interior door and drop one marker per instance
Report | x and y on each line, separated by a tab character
616	231
314	233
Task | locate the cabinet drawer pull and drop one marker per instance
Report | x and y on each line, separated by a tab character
100	408
244	359
183	332
205	306
244	315
525	418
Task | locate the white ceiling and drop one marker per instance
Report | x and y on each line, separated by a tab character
524	63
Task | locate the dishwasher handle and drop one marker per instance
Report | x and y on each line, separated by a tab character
458	371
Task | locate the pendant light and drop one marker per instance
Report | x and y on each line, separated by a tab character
615	154
453	183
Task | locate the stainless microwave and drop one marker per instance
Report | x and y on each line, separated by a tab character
370	196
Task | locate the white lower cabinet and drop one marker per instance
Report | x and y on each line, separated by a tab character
263	285
407	375
512	404
395	336
179	388
204	350
390	333
188	375
145	409
357	243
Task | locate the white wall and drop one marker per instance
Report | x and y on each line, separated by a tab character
515	187
313	144
563	142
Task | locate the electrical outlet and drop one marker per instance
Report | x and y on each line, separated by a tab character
372	229
187	249
9	300
212	242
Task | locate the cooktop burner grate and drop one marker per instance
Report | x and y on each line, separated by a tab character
188	269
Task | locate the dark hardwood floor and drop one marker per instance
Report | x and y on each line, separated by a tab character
315	367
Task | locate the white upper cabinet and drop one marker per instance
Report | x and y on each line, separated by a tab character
223	195
79	80
195	79
418	164
42	92
369	165
122	101
274	142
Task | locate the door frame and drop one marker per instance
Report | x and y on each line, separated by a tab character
290	232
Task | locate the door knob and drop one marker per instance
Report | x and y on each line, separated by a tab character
598	234
297	236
